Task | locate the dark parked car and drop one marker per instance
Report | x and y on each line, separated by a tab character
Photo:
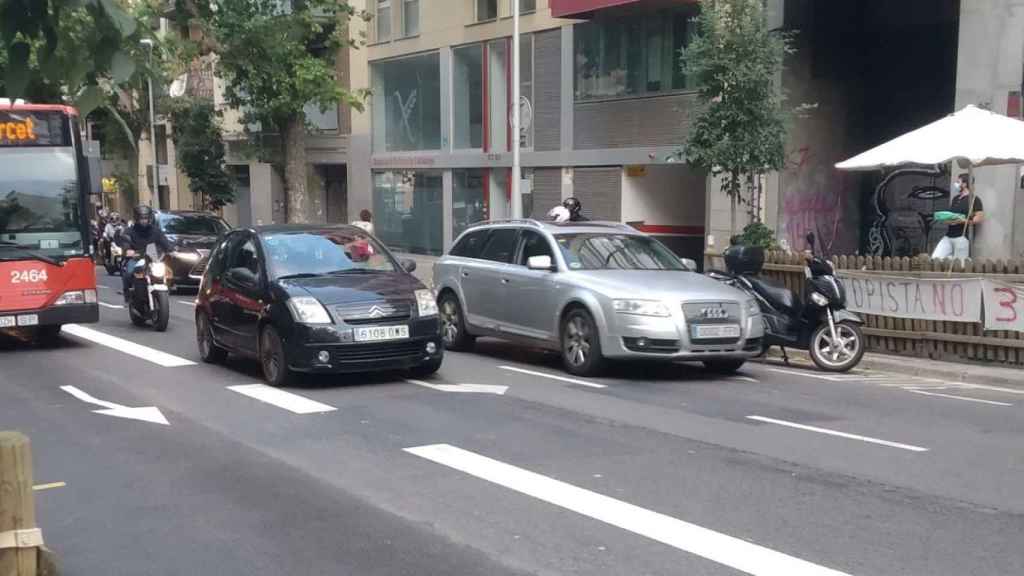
315	299
194	235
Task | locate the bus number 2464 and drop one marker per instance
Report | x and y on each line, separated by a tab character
28	276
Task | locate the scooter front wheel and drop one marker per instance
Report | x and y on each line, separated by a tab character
161	311
840	354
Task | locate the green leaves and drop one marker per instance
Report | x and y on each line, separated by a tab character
121	19
17	74
89	99
122	66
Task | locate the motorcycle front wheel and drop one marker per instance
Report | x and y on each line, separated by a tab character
161	311
841	354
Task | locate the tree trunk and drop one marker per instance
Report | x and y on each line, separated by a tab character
734	191
295	190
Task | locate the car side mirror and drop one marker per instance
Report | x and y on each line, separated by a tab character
689	263
540	263
409	265
242	276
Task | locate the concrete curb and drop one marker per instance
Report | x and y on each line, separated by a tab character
922	368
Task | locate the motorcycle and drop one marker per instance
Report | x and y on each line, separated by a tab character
112	255
148	298
820	323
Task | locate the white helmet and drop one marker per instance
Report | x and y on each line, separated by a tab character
559	214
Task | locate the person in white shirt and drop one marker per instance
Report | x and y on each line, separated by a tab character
365	222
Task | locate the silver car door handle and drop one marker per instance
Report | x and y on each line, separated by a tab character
465	274
504	280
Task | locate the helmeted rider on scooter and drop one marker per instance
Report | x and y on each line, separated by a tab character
134	240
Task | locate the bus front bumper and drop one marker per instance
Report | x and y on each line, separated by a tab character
52	316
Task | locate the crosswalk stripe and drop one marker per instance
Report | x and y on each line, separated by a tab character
706	543
131	348
286	400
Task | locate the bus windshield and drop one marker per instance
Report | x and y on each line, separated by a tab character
39	197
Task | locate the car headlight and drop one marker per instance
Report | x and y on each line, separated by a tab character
308	310
158	269
73	297
187	256
426	303
819	299
642	308
752	308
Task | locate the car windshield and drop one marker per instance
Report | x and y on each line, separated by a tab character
39	201
604	251
325	252
192	224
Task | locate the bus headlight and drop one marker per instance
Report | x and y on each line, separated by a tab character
72	297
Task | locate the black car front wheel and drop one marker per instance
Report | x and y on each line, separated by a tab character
273	358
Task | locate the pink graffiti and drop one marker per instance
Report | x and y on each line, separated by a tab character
813	202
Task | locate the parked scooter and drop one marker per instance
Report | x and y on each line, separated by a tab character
148	300
820	323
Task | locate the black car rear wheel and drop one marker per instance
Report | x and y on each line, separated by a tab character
208	349
273	358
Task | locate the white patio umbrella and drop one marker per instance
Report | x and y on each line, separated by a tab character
971	137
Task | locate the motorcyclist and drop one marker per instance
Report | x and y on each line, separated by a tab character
141	233
575	208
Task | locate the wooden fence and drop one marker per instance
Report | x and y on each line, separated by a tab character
937	340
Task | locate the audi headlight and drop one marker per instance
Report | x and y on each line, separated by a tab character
187	256
819	299
752	308
308	310
158	269
426	303
642	308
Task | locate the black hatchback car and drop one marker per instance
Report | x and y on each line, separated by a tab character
315	299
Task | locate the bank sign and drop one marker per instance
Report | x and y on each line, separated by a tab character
999	305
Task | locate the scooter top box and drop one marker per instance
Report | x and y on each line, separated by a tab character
744	259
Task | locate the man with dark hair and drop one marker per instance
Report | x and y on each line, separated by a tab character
956	242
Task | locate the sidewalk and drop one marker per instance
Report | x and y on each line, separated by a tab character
926	368
424	266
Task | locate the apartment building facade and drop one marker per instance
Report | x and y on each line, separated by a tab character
604	105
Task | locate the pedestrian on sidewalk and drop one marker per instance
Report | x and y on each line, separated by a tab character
956	242
365	221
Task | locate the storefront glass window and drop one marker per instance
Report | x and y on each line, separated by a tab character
467	97
407	104
619	55
408	213
469	202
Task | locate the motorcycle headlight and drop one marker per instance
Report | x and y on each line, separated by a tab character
158	269
308	310
819	299
115	250
752	307
426	303
642	308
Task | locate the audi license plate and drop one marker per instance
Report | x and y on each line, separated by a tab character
716	331
7	322
381	333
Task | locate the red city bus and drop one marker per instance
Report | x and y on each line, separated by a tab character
47	276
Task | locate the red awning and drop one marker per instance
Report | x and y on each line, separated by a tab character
563	8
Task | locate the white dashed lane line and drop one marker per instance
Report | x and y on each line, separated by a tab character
553	377
127	347
839	434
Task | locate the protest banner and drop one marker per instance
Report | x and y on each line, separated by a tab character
946	299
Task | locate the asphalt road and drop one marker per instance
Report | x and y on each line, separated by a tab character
651	471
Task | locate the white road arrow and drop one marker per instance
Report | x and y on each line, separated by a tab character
146	413
465	388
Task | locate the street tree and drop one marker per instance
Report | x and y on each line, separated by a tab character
735	60
196	133
277	57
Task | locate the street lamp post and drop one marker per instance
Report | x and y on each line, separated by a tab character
517	196
155	187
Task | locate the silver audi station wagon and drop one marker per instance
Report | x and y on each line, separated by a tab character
594	291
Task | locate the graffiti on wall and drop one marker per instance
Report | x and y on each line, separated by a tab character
815	200
901	222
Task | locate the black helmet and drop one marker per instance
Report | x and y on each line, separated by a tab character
572	205
143	216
